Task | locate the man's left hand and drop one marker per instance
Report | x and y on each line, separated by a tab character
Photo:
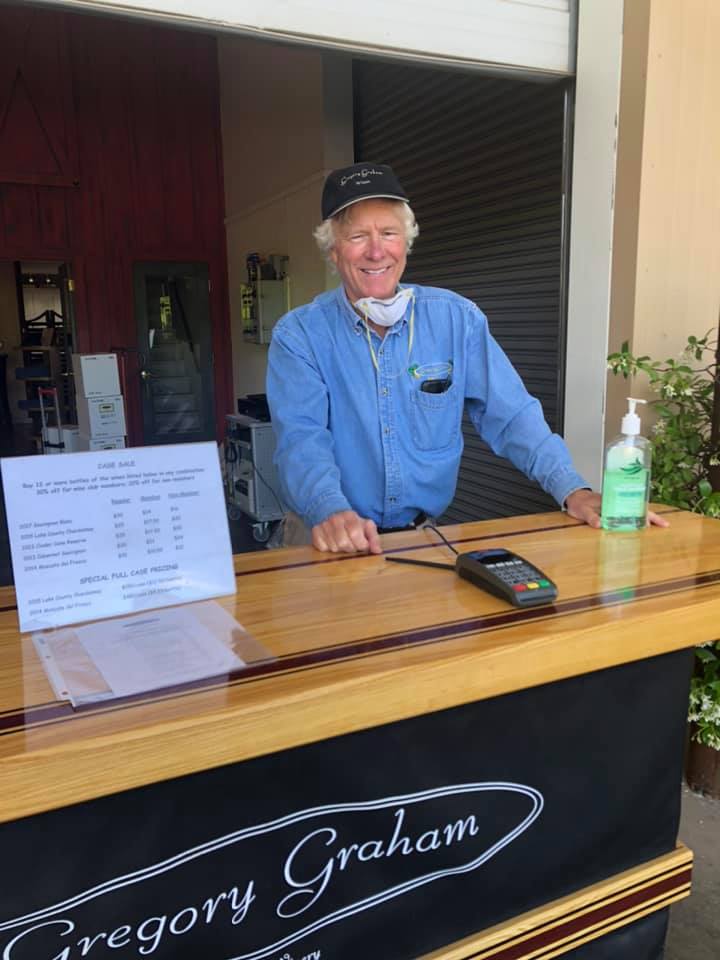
585	505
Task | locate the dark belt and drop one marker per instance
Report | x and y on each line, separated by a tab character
413	525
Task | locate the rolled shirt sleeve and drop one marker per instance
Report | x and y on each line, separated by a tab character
511	421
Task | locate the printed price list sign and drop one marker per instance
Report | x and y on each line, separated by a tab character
110	532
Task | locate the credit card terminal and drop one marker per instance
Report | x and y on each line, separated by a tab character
506	575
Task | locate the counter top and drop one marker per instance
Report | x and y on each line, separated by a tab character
356	642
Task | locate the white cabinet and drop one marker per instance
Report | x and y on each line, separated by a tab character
263	302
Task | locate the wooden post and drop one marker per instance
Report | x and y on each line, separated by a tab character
714	471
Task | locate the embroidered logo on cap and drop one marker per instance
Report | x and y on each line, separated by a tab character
361	173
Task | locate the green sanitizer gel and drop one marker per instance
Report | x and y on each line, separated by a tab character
626	477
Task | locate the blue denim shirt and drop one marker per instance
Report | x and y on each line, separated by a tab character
353	438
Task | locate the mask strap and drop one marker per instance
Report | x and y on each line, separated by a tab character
411	335
372	349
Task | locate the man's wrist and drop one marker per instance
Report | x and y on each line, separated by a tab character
563	506
324	507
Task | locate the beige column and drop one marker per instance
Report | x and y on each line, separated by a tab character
666	245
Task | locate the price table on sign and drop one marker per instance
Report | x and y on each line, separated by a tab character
110	532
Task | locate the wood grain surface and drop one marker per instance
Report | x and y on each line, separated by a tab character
353	642
566	924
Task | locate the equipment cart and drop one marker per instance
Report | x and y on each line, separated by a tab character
251	481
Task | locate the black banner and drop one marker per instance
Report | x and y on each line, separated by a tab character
387	843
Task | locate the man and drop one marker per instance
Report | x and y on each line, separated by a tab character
367	384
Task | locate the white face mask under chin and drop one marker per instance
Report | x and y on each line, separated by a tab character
385	312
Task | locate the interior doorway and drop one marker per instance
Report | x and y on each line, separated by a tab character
175	368
36	342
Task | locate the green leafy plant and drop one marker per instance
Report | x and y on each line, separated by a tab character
686	473
686	436
705	695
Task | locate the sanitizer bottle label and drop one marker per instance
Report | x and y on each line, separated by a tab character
625	490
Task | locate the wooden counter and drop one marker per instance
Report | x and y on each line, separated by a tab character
360	642
355	643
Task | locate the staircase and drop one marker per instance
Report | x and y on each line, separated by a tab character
176	391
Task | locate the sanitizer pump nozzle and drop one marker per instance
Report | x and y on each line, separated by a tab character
631	421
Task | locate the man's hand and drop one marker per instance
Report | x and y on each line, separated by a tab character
346	532
585	505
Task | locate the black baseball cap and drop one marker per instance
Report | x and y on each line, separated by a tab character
361	181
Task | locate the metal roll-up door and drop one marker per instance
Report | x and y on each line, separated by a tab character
482	160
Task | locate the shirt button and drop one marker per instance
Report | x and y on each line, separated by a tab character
387	431
385	391
392	499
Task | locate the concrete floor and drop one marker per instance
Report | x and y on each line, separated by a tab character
694	932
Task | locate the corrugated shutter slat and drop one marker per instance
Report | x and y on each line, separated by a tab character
482	161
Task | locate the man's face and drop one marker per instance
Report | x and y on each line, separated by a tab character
370	251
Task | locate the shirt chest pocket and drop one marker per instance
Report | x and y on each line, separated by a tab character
435	418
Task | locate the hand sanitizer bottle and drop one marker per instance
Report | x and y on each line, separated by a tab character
626	477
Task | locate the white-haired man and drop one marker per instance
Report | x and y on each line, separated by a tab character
367	384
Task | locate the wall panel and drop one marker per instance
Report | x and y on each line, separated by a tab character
146	145
666	253
132	112
37	128
19	216
53	219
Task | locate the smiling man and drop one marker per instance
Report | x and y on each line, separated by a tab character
367	384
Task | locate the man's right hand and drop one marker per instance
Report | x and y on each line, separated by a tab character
346	532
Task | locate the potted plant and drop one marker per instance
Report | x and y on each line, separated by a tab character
686	473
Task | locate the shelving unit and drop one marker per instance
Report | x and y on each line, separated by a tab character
46	350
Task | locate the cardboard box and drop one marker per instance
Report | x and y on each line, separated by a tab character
101	416
101	443
61	439
96	375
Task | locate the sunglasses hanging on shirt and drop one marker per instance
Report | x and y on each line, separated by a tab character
434	377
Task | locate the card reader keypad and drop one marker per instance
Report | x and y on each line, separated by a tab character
507	575
520	575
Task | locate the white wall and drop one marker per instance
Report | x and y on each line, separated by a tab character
533	34
599	57
286	120
279	224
